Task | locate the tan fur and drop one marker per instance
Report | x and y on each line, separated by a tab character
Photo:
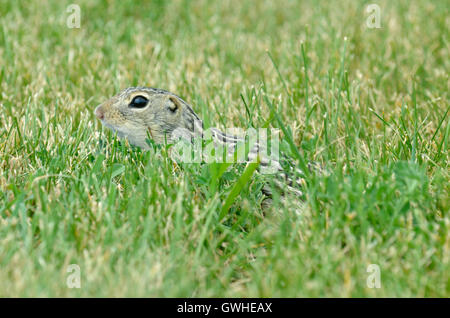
166	117
164	113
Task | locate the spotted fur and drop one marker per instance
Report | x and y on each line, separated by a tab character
168	116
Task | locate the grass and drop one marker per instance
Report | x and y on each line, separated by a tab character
370	105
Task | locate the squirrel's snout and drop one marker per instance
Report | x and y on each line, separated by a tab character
99	113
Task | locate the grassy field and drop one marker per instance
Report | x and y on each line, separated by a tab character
369	104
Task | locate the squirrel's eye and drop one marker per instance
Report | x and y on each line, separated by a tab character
139	102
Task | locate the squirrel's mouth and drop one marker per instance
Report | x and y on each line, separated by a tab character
134	138
114	128
98	112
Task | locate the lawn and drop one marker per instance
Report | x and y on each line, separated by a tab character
370	105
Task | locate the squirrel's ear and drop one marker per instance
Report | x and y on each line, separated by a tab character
174	104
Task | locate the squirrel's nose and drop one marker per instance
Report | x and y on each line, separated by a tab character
99	112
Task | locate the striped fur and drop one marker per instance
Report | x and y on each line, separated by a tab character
160	123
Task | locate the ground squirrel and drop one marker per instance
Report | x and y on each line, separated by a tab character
139	113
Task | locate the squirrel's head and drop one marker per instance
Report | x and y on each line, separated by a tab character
138	113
